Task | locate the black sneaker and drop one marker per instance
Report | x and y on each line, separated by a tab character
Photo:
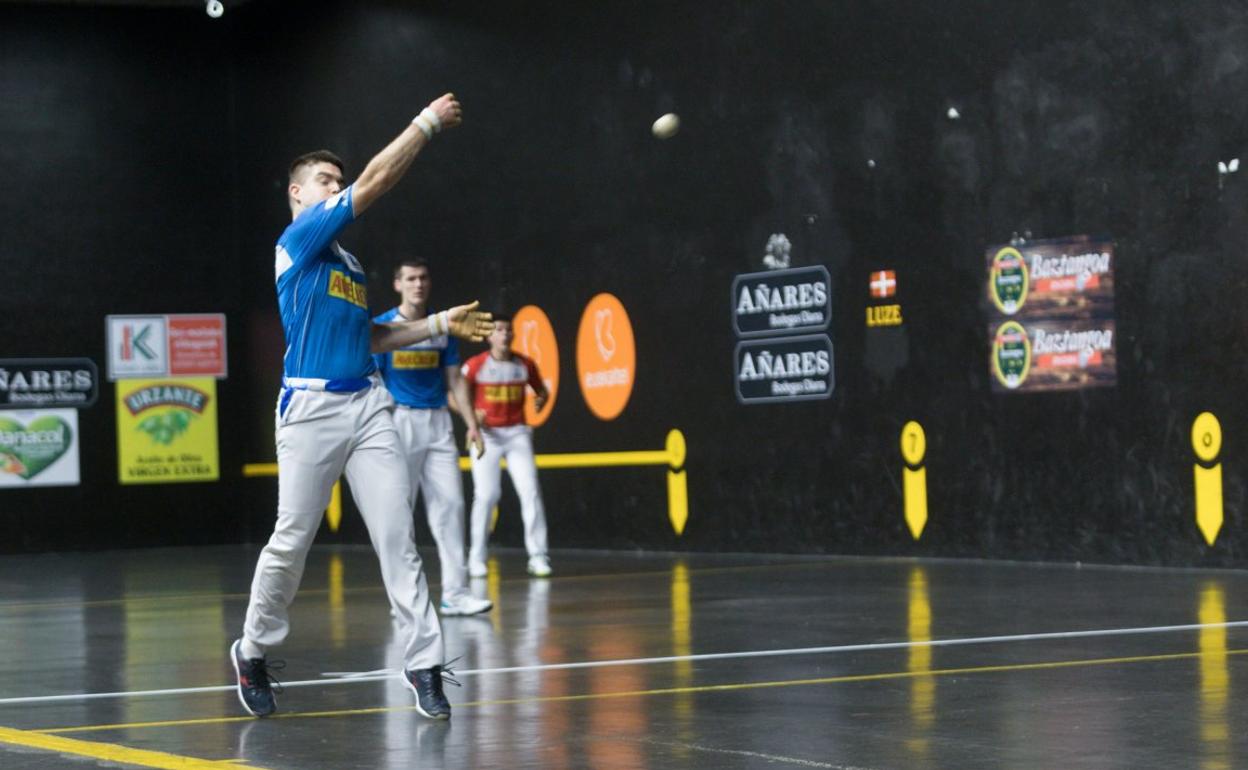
427	684
254	689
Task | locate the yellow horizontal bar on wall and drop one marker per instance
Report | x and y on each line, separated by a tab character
592	460
672	455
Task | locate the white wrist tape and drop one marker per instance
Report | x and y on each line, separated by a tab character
439	324
424	125
431	116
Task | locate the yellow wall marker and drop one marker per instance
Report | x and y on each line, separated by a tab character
914	480
1207	442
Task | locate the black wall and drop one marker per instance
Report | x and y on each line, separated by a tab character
147	154
115	134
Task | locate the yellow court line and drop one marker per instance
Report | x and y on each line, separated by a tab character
671	690
111	752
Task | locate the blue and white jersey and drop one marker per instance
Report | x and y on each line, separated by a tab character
322	292
415	374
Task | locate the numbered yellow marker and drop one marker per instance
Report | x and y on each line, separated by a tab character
1207	443
914	479
677	483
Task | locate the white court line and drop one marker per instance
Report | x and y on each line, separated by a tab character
347	677
770	758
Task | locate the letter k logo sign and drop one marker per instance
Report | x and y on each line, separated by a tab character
138	343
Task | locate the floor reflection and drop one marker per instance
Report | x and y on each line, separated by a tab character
922	688
105	623
682	645
1215	680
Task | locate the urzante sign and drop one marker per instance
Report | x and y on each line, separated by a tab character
785	369
35	383
167	431
782	301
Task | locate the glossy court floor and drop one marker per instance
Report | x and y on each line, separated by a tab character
627	660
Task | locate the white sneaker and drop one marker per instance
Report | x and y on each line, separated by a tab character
539	566
477	569
465	604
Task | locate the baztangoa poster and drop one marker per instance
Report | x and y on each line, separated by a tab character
1050	310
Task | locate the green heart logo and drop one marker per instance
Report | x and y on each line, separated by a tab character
27	450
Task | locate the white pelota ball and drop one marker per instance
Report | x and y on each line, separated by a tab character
666	126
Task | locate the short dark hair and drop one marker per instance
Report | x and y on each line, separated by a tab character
411	262
502	316
314	157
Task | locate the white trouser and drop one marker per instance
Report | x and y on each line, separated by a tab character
515	443
319	436
428	442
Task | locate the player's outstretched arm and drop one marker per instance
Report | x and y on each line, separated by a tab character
463	321
388	166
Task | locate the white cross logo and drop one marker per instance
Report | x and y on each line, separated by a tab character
882	283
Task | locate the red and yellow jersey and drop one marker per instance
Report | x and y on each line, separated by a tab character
498	387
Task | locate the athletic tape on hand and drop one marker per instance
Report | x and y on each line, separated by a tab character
439	324
431	116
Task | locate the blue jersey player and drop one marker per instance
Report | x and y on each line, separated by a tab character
418	377
334	414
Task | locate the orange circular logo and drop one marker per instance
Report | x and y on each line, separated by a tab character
605	357
534	337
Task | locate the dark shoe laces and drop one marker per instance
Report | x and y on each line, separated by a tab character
262	674
447	674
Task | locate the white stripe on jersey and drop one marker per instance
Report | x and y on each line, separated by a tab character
347	257
495	372
282	263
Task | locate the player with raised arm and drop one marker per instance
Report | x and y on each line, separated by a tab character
334	414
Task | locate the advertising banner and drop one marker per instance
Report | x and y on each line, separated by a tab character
1053	355
172	345
197	345
40	383
39	448
785	369
535	337
606	356
782	301
1051	314
167	430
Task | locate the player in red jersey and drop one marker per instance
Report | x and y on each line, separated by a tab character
497	379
